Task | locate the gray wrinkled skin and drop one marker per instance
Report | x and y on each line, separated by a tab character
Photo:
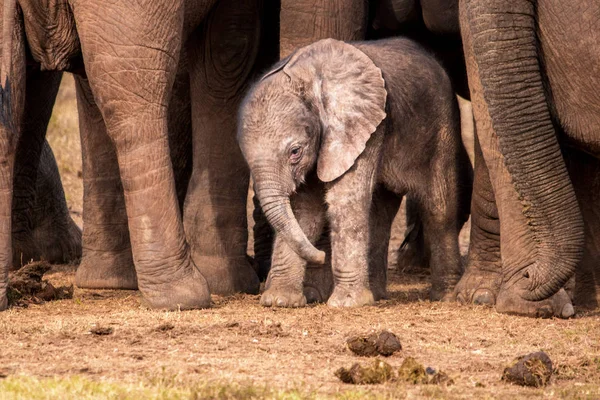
151	85
537	114
335	136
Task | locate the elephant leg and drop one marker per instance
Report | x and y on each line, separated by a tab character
215	207
318	279
413	254
180	131
42	226
443	219
12	105
383	211
307	21
532	189
349	201
584	171
263	240
107	261
285	283
483	274
131	71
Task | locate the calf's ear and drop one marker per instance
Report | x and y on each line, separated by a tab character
350	96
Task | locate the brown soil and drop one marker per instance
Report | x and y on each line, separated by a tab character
237	340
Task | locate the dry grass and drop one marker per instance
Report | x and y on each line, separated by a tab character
238	349
240	344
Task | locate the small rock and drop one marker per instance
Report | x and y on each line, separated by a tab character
102	330
534	369
377	372
383	343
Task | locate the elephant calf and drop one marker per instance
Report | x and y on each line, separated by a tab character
334	136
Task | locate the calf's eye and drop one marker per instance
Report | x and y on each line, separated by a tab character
295	154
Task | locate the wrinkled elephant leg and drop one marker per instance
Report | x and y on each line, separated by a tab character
307	21
215	206
383	210
12	102
42	226
584	171
444	213
413	254
285	286
107	262
349	200
180	131
483	274
131	71
532	189
318	279
263	240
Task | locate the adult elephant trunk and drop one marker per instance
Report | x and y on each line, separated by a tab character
507	88
276	206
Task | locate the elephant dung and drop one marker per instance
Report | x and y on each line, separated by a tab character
411	371
377	372
383	343
27	286
534	369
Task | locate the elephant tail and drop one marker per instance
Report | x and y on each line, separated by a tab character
8	25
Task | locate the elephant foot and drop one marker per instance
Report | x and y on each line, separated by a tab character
227	276
318	283
107	270
282	297
188	293
477	287
3	302
558	305
354	296
379	293
56	243
441	293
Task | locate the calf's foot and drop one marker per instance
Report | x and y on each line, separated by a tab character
282	297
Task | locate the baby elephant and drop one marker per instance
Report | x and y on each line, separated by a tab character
335	135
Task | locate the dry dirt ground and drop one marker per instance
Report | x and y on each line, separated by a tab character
105	344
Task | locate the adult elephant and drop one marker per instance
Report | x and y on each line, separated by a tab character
432	23
534	75
126	57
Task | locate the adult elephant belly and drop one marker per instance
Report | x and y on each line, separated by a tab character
569	34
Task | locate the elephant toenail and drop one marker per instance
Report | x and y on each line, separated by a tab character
568	311
484	297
